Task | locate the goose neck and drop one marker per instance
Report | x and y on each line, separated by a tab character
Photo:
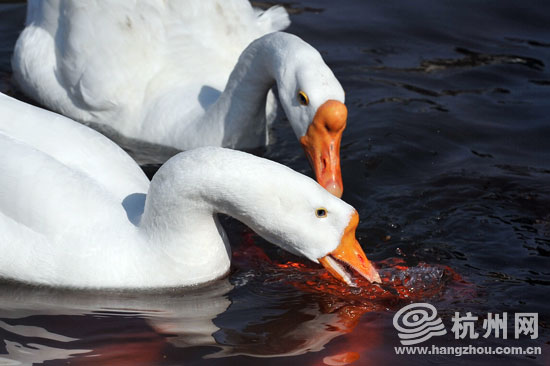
240	111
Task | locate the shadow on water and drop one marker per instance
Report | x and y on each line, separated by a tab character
447	159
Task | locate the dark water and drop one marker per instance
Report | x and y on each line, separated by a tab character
447	159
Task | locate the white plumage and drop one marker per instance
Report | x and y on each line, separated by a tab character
155	70
77	211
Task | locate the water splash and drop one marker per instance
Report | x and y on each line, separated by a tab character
341	306
400	282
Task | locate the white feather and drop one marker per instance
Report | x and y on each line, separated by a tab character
155	70
77	211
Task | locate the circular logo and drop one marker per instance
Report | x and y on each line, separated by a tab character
417	323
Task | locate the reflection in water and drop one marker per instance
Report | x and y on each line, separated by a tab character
18	354
326	308
103	327
306	310
108	327
26	354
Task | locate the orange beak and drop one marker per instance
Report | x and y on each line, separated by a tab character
349	253
322	144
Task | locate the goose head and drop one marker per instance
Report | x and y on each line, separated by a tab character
303	218
313	101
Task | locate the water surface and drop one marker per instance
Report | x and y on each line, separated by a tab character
447	159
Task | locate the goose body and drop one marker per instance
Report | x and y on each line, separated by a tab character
77	211
182	73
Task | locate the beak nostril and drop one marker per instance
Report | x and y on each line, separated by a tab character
333	127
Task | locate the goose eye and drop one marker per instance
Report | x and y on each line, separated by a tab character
302	98
321	212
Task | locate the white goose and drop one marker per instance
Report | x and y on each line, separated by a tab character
155	71
77	211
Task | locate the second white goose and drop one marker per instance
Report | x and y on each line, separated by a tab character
182	73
